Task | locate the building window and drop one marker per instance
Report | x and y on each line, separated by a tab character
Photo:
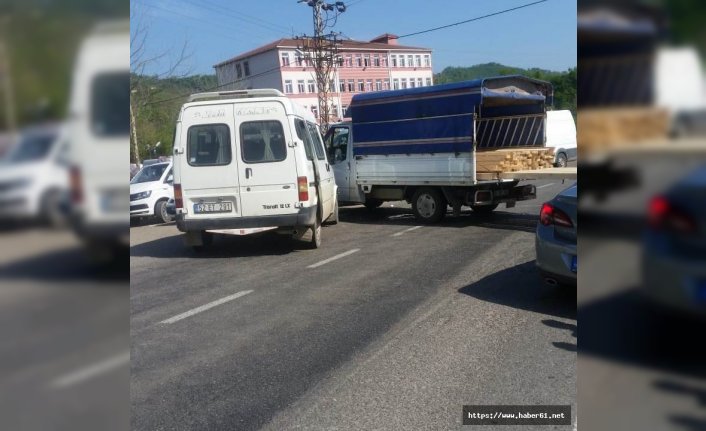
376	60
394	60
378	84
246	68
410	60
383	60
418	60
298	59
386	84
396	84
369	85
349	61
412	83
351	85
419	82
285	59
361	85
300	86
344	108
331	85
311	87
403	83
428	82
315	111
239	70
342	86
366	60
288	87
427	61
358	60
402	61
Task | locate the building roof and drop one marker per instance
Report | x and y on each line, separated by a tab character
343	45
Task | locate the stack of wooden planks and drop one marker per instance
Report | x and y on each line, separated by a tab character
515	159
609	128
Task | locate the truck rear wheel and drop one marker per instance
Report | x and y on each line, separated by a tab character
429	205
316	234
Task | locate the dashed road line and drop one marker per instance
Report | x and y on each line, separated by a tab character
205	307
545	185
90	371
336	257
407	230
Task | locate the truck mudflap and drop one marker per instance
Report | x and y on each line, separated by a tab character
507	195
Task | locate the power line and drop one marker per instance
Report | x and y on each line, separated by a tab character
472	19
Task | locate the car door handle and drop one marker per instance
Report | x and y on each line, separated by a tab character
248	172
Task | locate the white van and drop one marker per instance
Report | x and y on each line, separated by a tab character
99	144
250	159
561	135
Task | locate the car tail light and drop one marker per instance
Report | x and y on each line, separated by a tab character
303	186
75	184
663	215
550	215
178	198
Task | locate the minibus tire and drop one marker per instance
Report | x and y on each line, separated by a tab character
316	234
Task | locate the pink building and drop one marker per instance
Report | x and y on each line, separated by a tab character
381	64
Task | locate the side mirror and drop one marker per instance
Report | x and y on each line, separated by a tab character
170	179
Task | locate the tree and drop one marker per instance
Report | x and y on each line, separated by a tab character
142	88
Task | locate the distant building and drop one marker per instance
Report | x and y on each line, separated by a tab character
381	64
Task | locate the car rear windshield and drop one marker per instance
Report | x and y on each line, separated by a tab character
110	104
31	148
208	145
262	141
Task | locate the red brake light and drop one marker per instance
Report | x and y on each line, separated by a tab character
178	199
75	184
550	215
663	215
303	186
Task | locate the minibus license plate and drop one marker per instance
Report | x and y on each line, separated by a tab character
221	207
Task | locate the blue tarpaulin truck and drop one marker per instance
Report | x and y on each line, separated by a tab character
420	144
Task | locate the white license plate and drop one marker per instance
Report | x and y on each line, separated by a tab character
221	207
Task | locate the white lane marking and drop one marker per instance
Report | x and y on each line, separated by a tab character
545	185
90	371
336	257
205	307
407	230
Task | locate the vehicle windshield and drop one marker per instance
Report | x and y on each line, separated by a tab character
149	173
31	148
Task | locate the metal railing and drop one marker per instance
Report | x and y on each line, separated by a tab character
512	131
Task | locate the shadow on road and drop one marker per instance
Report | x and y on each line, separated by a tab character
404	216
66	265
521	287
224	246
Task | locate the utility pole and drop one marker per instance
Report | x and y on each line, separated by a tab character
6	78
321	50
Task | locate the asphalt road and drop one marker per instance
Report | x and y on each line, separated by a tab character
407	325
64	362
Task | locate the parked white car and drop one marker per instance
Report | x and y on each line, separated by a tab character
250	160
561	135
34	177
150	189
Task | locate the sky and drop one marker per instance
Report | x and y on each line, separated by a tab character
542	35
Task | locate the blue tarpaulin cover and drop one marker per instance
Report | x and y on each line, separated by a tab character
439	118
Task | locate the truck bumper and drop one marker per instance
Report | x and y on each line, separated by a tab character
305	217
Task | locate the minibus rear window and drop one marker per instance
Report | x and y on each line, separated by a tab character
208	145
262	141
110	104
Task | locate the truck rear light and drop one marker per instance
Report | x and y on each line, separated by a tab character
75	185
550	215
665	216
178	198
303	187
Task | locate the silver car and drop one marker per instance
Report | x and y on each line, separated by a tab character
555	240
674	246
